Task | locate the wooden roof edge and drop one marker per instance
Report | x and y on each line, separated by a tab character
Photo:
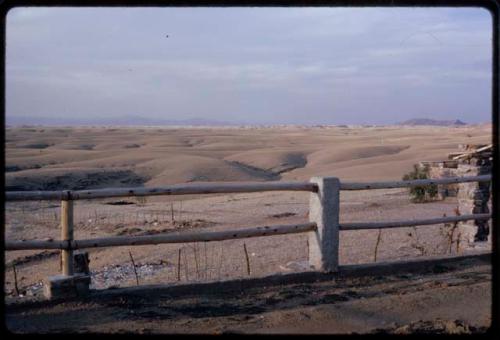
456	156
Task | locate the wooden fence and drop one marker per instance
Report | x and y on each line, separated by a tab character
323	227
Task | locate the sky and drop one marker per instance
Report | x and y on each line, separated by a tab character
248	65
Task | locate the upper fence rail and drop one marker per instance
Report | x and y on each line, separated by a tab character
217	188
176	189
412	183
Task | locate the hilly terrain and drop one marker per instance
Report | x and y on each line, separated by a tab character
54	158
432	122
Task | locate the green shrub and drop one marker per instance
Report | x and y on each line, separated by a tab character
422	193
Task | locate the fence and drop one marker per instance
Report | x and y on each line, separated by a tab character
323	228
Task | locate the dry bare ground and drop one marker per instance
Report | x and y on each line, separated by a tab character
453	298
76	158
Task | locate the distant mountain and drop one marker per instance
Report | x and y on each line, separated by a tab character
116	121
432	122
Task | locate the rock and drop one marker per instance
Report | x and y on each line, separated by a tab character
473	199
296	266
81	262
437	326
63	286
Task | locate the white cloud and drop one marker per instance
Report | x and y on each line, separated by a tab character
254	60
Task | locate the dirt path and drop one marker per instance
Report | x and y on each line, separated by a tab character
453	298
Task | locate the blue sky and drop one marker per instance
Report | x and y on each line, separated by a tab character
252	65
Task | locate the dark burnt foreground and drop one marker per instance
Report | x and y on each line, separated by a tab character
425	296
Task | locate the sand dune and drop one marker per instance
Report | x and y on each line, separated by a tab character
278	161
347	153
71	178
43	157
186	168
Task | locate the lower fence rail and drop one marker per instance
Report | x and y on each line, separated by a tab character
410	223
161	238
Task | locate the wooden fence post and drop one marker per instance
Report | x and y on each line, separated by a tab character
67	235
324	211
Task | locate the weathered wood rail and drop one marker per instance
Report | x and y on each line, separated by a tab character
177	189
400	224
161	238
412	183
323	227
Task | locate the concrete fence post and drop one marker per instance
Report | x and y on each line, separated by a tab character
67	235
324	211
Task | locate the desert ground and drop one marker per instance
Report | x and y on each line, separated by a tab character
51	158
56	158
451	298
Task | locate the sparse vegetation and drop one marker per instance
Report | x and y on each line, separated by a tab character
141	200
416	242
421	193
449	233
132	146
379	238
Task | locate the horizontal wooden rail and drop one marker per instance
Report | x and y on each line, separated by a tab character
37	195
161	238
215	188
412	183
36	244
407	223
176	189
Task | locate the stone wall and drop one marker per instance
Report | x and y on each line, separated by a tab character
474	198
443	169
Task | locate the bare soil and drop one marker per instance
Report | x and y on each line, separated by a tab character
77	158
200	262
452	299
92	157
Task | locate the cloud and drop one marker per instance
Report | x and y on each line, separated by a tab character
336	65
